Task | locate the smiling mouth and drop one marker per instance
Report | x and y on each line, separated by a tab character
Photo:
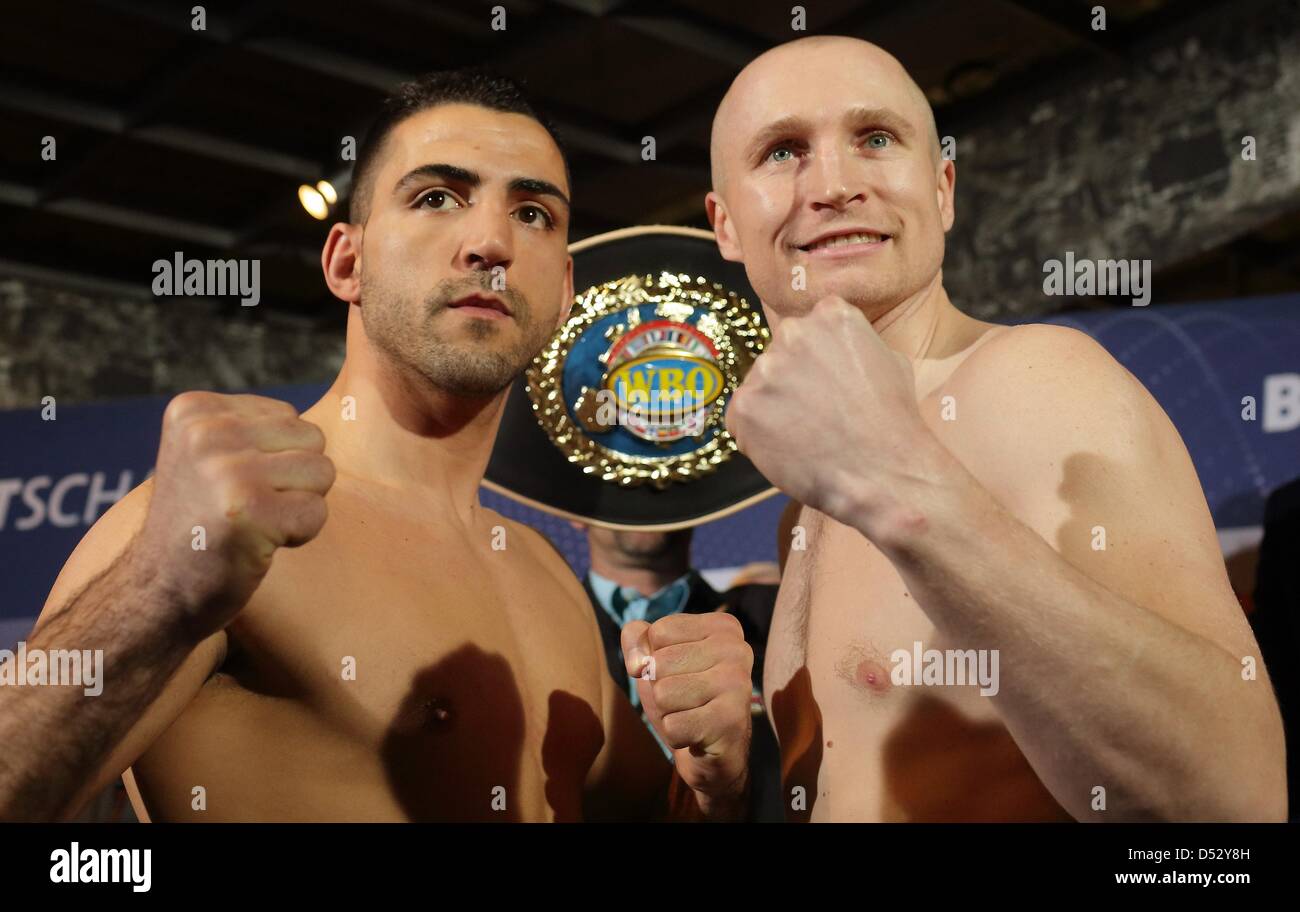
844	240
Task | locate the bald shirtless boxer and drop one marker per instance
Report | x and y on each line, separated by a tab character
953	476
413	656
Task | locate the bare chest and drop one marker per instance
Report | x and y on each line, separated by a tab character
844	619
421	675
424	615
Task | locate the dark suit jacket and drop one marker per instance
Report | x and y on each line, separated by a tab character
752	606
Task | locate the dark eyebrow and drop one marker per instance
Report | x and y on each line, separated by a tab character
453	173
538	186
457	174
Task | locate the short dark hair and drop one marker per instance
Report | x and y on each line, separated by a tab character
474	86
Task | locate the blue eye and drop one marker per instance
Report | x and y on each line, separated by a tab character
885	137
781	154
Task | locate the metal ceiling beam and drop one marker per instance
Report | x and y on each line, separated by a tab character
158	86
713	43
595	8
75	280
440	16
315	59
176	17
349	68
134	220
220	148
95	212
680	29
117	216
18	195
197	142
594	140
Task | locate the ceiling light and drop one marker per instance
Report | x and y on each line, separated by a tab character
314	201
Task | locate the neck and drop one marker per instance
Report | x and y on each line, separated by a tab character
912	326
388	426
644	579
925	328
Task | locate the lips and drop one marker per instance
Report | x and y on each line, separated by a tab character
482	302
844	237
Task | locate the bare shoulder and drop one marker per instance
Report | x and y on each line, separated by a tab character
1015	350
1059	386
1046	417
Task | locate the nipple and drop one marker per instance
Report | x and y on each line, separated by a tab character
872	676
437	713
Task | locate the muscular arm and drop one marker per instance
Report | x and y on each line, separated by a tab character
253	476
1122	666
62	746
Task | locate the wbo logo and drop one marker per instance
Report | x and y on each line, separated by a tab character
664	376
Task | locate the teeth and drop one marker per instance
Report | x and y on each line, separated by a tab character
844	239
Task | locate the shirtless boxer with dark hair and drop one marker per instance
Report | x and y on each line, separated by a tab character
412	655
957	478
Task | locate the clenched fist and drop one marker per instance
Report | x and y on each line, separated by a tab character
828	412
693	678
237	477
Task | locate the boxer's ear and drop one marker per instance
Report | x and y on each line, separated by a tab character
728	246
340	260
566	303
946	189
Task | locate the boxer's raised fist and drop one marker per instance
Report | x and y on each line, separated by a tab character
693	678
237	477
828	408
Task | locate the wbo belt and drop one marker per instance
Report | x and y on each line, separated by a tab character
620	420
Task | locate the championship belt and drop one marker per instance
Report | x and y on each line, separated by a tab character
620	420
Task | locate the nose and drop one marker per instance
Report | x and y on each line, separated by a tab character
833	182
488	241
